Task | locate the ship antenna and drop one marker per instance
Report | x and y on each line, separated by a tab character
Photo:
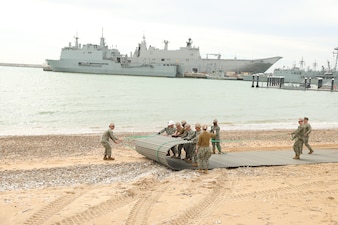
144	43
102	44
301	63
315	66
76	40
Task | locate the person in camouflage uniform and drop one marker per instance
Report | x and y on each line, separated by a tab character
180	132
188	147
169	131
307	131
298	136
108	134
193	144
215	129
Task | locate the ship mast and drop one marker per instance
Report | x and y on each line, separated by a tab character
102	44
76	41
166	44
335	53
301	63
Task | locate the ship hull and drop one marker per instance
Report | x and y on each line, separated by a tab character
112	68
238	66
229	66
209	66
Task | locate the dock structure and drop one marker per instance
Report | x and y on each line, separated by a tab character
271	81
279	82
156	148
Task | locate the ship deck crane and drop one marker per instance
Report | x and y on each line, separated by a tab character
218	55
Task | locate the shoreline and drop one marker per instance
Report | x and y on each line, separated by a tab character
154	131
228	127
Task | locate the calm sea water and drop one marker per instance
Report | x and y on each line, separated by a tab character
33	101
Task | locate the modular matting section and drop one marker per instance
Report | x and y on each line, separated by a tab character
156	148
260	158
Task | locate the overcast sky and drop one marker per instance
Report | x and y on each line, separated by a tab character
35	30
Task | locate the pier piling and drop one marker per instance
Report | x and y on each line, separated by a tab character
305	83
309	85
320	82
275	81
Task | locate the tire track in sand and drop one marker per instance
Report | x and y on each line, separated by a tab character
97	210
291	192
190	215
221	196
41	216
140	213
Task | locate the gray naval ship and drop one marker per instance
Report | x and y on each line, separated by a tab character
298	74
151	61
100	59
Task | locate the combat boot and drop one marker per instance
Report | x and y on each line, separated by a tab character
296	157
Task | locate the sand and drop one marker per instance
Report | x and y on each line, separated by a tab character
62	179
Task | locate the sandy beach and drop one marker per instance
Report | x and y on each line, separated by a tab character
62	179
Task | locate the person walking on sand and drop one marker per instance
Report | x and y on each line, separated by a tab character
215	129
298	136
108	134
307	131
203	149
